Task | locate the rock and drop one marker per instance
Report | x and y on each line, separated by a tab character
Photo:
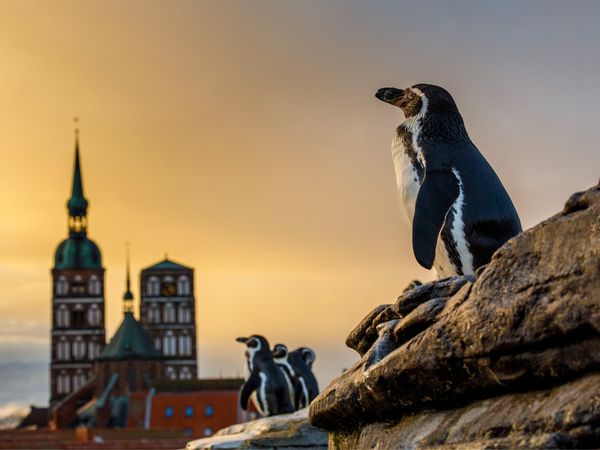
565	416
286	431
531	320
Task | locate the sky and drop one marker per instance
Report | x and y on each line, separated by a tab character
243	138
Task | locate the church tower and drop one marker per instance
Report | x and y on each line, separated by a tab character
78	331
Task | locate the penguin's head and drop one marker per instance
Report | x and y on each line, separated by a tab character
280	351
308	355
254	344
419	99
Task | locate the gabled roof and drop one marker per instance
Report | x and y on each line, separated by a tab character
167	264
129	342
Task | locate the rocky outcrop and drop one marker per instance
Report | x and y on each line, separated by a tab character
286	431
508	359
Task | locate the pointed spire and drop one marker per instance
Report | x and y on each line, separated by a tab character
128	296
77	204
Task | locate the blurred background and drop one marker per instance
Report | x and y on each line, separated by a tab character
243	139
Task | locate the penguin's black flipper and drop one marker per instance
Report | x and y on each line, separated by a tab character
247	389
437	193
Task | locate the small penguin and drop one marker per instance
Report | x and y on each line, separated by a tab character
280	356
459	210
306	387
265	382
385	343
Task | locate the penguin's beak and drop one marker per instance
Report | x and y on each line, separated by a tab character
243	340
278	353
390	95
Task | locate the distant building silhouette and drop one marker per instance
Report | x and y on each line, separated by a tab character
78	328
168	314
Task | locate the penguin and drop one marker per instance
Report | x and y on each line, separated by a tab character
459	210
306	387
385	343
265	382
280	356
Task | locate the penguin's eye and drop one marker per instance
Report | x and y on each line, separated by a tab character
252	343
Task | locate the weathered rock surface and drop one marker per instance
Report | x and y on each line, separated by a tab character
286	431
531	321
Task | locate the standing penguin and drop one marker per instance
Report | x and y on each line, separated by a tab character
265	382
459	210
306	387
280	356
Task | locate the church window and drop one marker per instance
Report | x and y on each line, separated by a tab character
184	313
94	315
63	383
185	345
209	410
183	285
78	348
94	285
78	380
62	286
169	344
169	411
185	374
153	287
208	431
168	287
78	285
153	313
189	411
169	313
93	350
157	343
63	350
62	316
170	373
78	316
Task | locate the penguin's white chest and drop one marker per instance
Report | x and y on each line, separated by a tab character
407	179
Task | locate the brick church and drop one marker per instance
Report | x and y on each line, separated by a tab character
153	359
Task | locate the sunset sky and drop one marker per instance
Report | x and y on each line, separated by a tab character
243	138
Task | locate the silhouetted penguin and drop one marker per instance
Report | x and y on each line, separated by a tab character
306	387
265	381
459	210
280	356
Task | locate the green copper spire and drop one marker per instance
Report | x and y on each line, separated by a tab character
77	204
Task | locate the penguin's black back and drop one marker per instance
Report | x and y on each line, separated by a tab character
302	370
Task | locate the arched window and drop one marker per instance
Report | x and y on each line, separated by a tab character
78	380
184	313
153	287
185	345
62	286
208	431
63	350
94	315
62	316
94	285
93	350
153	313
78	316
169	344
78	348
183	286
189	410
157	343
170	373
169	313
185	374
63	383
78	286
209	410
